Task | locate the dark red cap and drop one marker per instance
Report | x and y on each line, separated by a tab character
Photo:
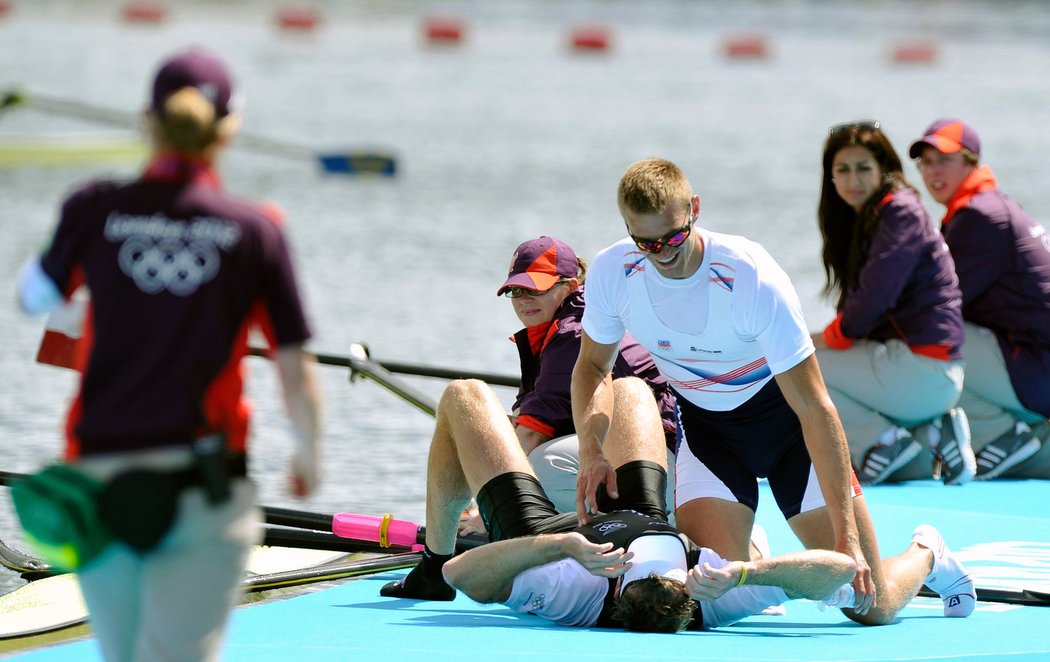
195	68
947	136
540	263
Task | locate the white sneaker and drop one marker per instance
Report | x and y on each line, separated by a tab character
953	459
949	578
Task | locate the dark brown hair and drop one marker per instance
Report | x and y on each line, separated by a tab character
654	604
847	234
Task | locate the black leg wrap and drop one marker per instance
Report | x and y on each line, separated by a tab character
642	486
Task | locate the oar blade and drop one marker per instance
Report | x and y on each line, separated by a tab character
359	163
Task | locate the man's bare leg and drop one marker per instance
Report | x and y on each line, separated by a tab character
897	578
473	442
636	431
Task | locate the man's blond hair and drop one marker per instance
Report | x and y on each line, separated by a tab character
650	185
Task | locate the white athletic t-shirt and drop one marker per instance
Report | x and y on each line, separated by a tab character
565	593
718	336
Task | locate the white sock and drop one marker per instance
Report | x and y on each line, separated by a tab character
949	579
888	436
843	598
933	433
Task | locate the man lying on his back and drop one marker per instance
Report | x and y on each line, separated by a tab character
635	571
475	451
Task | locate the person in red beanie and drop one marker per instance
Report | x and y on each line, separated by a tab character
1002	258
180	271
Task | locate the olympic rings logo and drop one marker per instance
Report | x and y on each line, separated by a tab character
168	264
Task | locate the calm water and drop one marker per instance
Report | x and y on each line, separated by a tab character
506	137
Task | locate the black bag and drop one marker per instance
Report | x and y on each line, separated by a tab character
139	506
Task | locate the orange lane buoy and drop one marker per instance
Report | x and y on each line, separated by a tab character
590	38
443	30
297	18
747	46
914	53
5	8
146	11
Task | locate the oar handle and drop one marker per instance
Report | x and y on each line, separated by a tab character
304	539
322	526
384	530
388	532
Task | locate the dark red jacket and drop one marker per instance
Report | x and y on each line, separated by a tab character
1002	258
907	287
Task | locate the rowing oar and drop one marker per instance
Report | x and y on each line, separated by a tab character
385	533
361	365
32	568
330	571
1011	596
355	162
413	369
276	536
368	532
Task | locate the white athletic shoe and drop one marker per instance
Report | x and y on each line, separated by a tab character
953	459
760	540
949	578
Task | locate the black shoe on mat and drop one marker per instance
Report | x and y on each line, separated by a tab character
418	586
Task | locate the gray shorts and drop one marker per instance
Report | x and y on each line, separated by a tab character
557	464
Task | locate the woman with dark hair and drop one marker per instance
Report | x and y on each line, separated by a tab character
891	358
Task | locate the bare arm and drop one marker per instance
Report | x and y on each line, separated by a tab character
302	399
804	390
818	340
592	409
487	573
813	574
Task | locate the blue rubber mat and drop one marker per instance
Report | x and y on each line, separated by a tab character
1001	531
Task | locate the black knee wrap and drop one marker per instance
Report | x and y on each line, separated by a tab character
642	485
514	505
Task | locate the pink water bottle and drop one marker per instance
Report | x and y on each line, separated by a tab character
384	530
